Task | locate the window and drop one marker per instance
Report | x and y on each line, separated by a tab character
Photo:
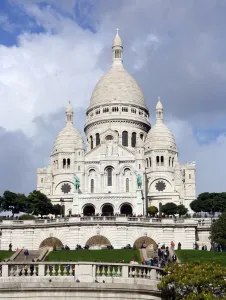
125	109
150	161
109	176
133	110
162	160
169	161
114	109
92	186
189	176
141	136
147	162
41	180
105	109
64	163
172	161
133	139
125	138
91	142
127	185
139	166
117	53
68	163
157	160
97	139
79	153
109	137
78	168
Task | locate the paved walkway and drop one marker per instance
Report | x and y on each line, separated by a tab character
33	255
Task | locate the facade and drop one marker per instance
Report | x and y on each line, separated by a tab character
121	150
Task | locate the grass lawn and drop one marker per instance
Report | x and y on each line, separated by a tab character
202	256
106	255
5	254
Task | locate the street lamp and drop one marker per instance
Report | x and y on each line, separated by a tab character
61	202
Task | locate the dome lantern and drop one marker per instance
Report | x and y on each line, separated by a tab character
159	111
117	50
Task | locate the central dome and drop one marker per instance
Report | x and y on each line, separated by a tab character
117	86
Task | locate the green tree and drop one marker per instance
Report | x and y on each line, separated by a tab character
218	230
182	210
192	281
56	209
209	202
152	210
13	202
169	209
39	204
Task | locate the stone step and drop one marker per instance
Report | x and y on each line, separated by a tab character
33	255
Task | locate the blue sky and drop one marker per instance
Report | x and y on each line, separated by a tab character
55	51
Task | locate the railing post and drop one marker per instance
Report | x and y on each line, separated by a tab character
153	274
5	270
41	270
125	271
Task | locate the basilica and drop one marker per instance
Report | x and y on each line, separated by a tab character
125	164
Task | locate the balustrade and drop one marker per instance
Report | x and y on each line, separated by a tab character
89	272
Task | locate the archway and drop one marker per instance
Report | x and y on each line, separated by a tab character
89	210
98	242
126	209
107	210
150	243
51	242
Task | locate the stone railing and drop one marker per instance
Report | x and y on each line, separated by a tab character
94	219
81	271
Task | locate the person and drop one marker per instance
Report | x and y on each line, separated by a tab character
174	257
26	253
172	245
179	246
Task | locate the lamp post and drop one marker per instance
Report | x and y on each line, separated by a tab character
61	202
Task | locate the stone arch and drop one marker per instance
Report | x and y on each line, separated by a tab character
88	209
149	242
98	242
51	242
126	209
107	209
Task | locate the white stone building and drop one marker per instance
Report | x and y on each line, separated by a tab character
120	145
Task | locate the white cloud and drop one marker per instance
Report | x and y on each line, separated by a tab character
44	71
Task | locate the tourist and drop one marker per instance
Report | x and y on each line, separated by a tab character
179	246
26	253
172	245
174	257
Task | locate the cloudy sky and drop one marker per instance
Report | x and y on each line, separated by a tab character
54	51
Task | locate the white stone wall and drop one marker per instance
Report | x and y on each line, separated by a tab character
119	233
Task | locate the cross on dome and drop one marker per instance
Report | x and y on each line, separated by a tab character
117	30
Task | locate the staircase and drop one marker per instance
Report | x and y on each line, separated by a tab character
33	255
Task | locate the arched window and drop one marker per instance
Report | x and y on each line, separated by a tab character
150	161
68	163
109	176
91	142
169	161
64	163
127	185
157	160
92	186
147	162
172	161
125	138
117	53
189	176
162	160
133	139
141	136
78	168
97	139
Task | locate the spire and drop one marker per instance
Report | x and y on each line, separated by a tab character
69	114
117	49
159	111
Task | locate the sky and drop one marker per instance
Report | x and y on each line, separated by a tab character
52	52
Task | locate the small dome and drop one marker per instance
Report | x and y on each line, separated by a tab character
160	137
117	86
68	139
117	40
159	104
